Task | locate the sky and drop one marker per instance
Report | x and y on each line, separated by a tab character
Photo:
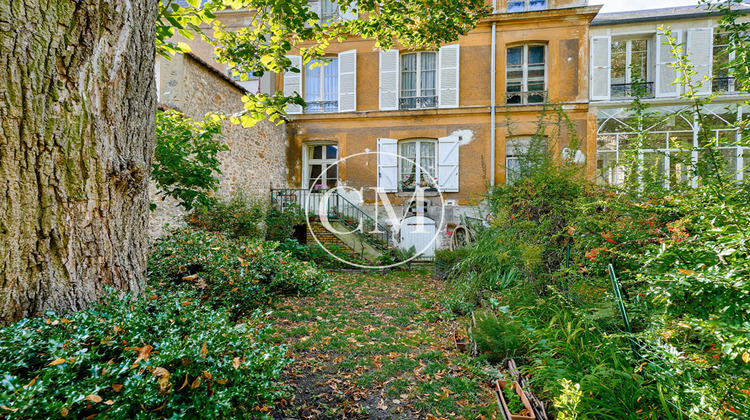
623	5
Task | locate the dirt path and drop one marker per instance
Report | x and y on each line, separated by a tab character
377	346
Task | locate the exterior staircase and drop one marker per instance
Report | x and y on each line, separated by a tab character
352	226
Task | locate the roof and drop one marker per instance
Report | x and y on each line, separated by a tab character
217	72
669	13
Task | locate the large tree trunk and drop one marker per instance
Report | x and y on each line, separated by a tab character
77	106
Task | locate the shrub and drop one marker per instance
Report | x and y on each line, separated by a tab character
165	356
315	253
497	337
397	255
240	216
239	274
467	291
446	260
280	224
186	157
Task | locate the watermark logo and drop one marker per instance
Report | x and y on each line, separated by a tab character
375	228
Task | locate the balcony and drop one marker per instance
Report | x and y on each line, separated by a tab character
315	107
418	102
724	84
632	90
525	98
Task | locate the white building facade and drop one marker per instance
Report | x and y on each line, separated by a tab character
630	58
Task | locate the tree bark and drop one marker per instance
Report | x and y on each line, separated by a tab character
77	106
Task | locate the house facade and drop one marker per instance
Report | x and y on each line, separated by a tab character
630	57
455	111
466	111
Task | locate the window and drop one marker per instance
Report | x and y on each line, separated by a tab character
525	74
523	155
322	86
630	69
322	171
515	6
329	10
723	81
423	152
248	80
418	80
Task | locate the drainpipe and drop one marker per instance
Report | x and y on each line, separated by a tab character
493	94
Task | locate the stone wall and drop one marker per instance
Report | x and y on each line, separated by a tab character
256	159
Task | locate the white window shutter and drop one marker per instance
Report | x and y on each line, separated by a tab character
348	81
700	49
389	92
351	12
388	164
448	163
665	73
293	83
449	77
600	67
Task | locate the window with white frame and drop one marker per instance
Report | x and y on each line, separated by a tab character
723	55
322	86
329	10
418	80
525	79
419	168
672	148
630	68
515	6
322	168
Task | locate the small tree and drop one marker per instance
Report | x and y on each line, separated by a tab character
186	157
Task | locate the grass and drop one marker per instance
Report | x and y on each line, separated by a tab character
378	346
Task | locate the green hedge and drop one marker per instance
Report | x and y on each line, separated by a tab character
163	356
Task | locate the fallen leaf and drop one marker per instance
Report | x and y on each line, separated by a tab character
109	402
190	278
683	271
382	405
56	362
143	352
196	383
64	411
184	384
33	381
5	407
204	349
746	357
117	387
162	375
236	363
94	398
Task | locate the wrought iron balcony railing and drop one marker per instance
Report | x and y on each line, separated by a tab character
321	106
525	98
631	90
418	102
